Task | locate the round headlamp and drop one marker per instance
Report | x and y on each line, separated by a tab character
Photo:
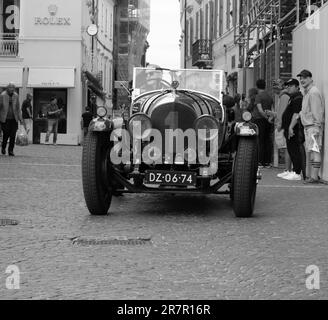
207	128
140	126
247	116
101	112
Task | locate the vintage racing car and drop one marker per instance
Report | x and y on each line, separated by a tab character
176	139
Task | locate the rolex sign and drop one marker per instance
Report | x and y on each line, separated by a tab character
9	16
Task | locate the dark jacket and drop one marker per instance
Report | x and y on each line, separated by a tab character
294	107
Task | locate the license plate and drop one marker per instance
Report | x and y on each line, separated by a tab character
171	178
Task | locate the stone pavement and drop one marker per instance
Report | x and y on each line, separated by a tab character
198	249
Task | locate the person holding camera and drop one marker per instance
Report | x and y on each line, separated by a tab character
53	115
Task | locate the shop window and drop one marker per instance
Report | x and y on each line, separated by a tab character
41	101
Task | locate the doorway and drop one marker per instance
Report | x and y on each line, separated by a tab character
41	99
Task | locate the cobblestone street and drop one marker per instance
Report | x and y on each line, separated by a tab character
198	249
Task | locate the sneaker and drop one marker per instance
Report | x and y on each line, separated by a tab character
283	174
3	151
292	176
11	154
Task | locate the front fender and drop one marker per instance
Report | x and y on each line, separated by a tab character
246	129
101	125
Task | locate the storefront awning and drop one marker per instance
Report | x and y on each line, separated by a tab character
8	74
51	78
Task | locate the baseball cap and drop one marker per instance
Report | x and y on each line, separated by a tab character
305	73
292	82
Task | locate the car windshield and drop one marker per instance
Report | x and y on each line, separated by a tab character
150	79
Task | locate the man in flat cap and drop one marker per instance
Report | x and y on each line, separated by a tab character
312	117
10	115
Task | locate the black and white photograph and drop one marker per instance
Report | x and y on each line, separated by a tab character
165	155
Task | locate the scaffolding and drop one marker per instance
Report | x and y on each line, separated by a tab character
265	38
133	28
262	22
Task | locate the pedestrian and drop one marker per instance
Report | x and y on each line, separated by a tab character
10	116
292	129
252	93
86	119
229	103
93	105
237	109
243	102
312	117
283	100
262	119
53	115
27	114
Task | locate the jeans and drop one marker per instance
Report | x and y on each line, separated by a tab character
9	129
297	154
28	124
52	128
265	141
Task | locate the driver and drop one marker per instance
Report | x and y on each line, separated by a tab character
154	79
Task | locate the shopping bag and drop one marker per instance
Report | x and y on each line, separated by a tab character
280	139
21	138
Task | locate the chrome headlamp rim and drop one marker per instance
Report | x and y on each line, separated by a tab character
101	112
144	134
247	116
212	119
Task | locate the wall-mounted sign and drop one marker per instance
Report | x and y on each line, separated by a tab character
51	78
52	19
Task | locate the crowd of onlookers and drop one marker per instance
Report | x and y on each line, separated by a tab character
295	124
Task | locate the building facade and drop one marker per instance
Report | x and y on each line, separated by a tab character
46	51
132	29
209	29
310	44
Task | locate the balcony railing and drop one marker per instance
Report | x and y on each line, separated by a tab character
9	45
202	53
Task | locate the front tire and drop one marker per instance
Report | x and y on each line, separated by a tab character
95	174
245	178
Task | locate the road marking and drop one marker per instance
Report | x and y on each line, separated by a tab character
320	186
8	180
42	164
